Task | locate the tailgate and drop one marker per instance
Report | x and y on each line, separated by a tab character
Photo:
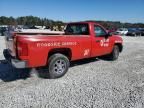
9	40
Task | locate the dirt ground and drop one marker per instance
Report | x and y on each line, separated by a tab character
93	83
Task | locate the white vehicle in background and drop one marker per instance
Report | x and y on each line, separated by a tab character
122	31
36	29
3	29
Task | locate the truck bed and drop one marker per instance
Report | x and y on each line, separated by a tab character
40	31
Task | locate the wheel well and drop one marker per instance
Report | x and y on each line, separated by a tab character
120	46
65	51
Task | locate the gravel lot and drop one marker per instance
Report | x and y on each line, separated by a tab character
88	84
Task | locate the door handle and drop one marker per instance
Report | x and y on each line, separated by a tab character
97	40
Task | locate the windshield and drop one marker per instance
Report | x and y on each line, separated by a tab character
77	29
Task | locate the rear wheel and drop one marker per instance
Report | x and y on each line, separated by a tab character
58	65
134	35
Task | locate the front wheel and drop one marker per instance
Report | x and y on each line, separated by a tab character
115	53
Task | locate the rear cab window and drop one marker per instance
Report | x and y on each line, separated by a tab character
77	29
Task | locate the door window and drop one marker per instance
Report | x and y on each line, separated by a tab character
99	31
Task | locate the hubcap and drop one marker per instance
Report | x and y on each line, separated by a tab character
59	66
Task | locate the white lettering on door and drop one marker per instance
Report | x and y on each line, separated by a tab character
104	43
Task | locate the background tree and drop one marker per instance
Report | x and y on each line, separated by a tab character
32	20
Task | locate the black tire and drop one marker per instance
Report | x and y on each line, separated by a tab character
135	35
58	65
115	53
48	71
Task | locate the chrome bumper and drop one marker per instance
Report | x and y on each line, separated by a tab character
15	62
19	64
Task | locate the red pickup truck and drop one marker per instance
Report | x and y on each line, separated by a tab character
55	51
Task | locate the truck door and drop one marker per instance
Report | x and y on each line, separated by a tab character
99	42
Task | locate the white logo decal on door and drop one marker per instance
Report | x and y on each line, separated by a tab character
104	42
86	52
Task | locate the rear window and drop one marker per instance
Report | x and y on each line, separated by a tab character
77	29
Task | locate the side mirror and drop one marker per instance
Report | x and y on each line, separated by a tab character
108	34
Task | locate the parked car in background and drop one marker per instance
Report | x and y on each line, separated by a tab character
2	30
133	32
142	31
122	31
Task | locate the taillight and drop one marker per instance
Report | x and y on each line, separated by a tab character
22	49
14	43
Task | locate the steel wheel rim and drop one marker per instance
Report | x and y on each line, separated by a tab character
59	66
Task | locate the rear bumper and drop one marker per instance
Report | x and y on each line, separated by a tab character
19	64
15	62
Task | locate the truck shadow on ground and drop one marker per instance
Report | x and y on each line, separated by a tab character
9	73
83	61
89	60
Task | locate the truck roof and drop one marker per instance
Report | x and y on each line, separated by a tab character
84	22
